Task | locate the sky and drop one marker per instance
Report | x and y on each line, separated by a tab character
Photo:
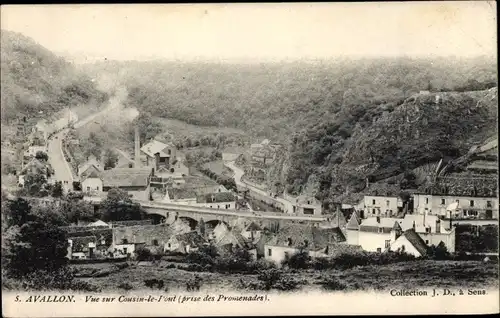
255	31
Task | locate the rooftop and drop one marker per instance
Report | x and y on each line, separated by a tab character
126	177
216	197
416	241
299	236
155	146
181	193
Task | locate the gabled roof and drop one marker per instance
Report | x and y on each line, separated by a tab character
416	241
297	235
91	172
34	165
216	197
155	146
334	250
236	239
98	223
371	223
354	222
126	177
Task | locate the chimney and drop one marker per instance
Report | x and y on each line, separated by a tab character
157	160
378	219
137	148
438	226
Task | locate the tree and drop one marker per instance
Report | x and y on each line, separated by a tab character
110	159
57	190
34	243
17	212
79	210
119	207
35	183
40	155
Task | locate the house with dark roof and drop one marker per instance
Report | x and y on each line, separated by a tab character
295	237
409	242
35	166
91	181
185	242
232	240
128	238
133	180
180	195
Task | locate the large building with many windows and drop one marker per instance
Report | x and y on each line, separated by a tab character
457	206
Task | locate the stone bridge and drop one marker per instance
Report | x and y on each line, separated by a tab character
194	214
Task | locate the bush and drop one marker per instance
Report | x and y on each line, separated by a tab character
321	263
194	283
331	283
143	254
154	283
199	257
270	277
125	286
286	283
299	260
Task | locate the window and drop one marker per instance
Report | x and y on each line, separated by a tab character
124	250
269	252
426	200
380	230
443	201
287	255
488	204
97	188
379	250
457	201
373	211
373	201
155	242
387	243
218	206
471	202
169	152
88	188
387	202
169	245
426	241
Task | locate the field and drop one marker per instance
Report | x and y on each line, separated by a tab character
409	275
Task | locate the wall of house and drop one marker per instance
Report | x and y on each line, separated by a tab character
380	205
218	205
32	150
352	237
278	253
437	205
301	209
436	238
123	249
370	241
408	247
92	184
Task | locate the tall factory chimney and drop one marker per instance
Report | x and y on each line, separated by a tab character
137	149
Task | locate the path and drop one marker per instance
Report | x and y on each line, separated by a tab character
62	169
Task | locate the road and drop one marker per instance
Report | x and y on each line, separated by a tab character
238	174
62	169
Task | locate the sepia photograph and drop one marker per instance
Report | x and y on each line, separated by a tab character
249	159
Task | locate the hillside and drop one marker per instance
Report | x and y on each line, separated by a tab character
274	100
36	83
404	137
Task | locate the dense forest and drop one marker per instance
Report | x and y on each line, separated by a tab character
273	100
37	83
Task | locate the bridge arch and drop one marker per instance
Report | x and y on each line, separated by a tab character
189	220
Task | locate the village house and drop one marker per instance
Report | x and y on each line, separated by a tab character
384	206
92	163
128	238
408	242
133	180
159	155
219	200
33	149
180	226
352	229
304	205
185	196
232	240
374	233
466	207
184	243
218	231
296	237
